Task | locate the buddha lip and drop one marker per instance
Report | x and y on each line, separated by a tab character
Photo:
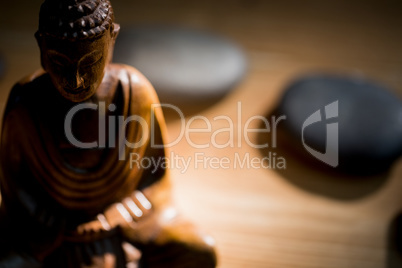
75	90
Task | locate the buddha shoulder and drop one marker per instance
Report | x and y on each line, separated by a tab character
29	88
141	89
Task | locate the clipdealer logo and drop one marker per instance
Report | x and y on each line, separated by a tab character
331	155
238	131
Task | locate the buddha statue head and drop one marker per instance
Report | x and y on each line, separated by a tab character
76	40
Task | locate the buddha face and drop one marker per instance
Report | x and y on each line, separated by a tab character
77	67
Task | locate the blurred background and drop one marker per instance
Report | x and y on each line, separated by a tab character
266	217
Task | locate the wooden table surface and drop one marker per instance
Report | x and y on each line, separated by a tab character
298	217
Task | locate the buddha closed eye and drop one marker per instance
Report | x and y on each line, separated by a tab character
58	59
63	61
90	59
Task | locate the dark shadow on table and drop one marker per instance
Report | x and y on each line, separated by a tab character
312	175
394	246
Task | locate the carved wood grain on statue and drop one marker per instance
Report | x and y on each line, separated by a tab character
69	201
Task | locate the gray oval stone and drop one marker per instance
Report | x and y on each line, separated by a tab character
184	65
359	117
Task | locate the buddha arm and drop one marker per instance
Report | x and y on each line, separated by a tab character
26	222
153	183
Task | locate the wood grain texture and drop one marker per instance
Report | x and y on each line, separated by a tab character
261	217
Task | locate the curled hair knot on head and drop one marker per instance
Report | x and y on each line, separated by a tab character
75	19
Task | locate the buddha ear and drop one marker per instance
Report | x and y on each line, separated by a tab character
39	40
116	30
38	37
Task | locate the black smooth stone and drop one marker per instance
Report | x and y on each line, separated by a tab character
368	120
185	66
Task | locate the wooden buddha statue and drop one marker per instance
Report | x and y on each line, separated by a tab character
70	195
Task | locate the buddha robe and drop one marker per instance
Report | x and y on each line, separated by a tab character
50	187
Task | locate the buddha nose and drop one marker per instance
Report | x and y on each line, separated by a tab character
75	81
